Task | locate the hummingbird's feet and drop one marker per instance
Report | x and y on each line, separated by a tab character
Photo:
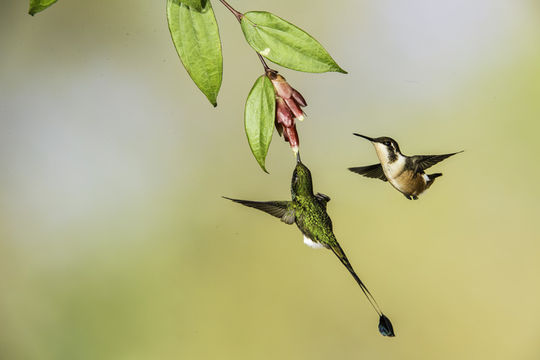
411	197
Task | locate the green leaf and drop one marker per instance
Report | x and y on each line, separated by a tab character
259	118
285	44
39	5
198	5
195	35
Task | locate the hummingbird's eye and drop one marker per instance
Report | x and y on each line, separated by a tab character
387	143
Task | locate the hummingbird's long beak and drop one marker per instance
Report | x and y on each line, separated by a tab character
298	160
364	136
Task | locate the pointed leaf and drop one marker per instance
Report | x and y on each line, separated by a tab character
285	44
39	5
196	38
259	118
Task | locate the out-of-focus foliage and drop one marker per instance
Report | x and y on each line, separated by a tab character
115	242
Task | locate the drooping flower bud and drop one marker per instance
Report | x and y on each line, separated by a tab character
283	89
291	135
279	127
299	98
298	113
284	115
288	108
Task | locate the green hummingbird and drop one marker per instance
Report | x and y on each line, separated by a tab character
308	211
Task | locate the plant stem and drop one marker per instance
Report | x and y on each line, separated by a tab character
264	64
239	17
238	14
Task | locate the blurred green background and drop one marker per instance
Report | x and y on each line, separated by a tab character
116	243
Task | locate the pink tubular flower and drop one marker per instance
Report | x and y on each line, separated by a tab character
291	135
288	108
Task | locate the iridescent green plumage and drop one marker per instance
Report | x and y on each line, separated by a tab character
308	211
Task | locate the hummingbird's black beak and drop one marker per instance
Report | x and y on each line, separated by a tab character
298	160
364	136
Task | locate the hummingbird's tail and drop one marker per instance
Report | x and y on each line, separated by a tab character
431	178
385	326
343	258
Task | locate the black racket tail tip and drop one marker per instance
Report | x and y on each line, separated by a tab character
385	326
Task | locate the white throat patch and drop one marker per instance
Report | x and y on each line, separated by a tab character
312	244
382	152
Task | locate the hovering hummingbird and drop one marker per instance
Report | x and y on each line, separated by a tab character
308	211
405	173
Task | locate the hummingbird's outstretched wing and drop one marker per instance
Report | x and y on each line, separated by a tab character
372	171
423	162
279	209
